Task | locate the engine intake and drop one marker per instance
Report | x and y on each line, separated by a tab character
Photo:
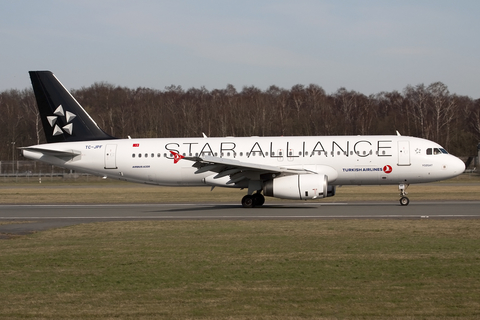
299	187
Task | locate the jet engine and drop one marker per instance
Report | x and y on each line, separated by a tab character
299	187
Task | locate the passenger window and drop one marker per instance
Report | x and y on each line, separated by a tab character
139	155
153	156
133	155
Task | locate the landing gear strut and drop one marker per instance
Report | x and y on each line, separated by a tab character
404	201
254	200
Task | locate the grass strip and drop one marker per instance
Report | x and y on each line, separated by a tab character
316	269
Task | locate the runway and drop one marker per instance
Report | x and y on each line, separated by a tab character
33	218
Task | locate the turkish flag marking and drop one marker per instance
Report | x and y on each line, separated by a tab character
136	145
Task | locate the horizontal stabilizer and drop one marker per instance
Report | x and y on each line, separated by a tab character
54	153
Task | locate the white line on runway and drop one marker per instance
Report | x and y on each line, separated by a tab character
235	217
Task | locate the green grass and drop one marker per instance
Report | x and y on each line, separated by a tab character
318	269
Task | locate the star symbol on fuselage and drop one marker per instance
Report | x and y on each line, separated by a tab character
52	120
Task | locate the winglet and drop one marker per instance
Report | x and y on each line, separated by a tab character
176	157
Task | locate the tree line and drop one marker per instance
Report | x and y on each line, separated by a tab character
430	112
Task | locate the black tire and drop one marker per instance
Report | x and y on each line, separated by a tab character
258	200
247	201
404	201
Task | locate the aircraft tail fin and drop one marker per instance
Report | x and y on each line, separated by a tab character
63	118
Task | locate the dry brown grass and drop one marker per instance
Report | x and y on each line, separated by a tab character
95	190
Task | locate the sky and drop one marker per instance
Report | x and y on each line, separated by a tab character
365	46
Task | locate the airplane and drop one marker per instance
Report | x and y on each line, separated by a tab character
287	167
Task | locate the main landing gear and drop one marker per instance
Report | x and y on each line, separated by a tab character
404	201
254	200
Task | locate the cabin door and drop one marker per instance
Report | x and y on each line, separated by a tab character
403	153
110	156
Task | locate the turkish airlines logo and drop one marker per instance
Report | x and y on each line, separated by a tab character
176	157
387	169
52	120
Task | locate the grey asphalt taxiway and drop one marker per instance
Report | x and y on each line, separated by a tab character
24	219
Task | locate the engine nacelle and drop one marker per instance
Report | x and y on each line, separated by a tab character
299	187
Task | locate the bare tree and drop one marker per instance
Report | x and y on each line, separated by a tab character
417	98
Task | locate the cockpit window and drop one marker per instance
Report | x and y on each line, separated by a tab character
436	151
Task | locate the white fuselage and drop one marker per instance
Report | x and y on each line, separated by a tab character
345	160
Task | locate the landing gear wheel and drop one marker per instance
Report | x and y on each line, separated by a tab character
404	201
258	200
247	201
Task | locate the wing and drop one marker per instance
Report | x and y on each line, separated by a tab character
237	170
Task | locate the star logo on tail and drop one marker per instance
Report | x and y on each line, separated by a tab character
52	120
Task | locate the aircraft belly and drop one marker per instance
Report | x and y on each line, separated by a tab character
367	175
188	177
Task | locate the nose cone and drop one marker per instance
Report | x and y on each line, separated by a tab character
456	166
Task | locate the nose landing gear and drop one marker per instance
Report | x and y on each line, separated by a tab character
404	201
